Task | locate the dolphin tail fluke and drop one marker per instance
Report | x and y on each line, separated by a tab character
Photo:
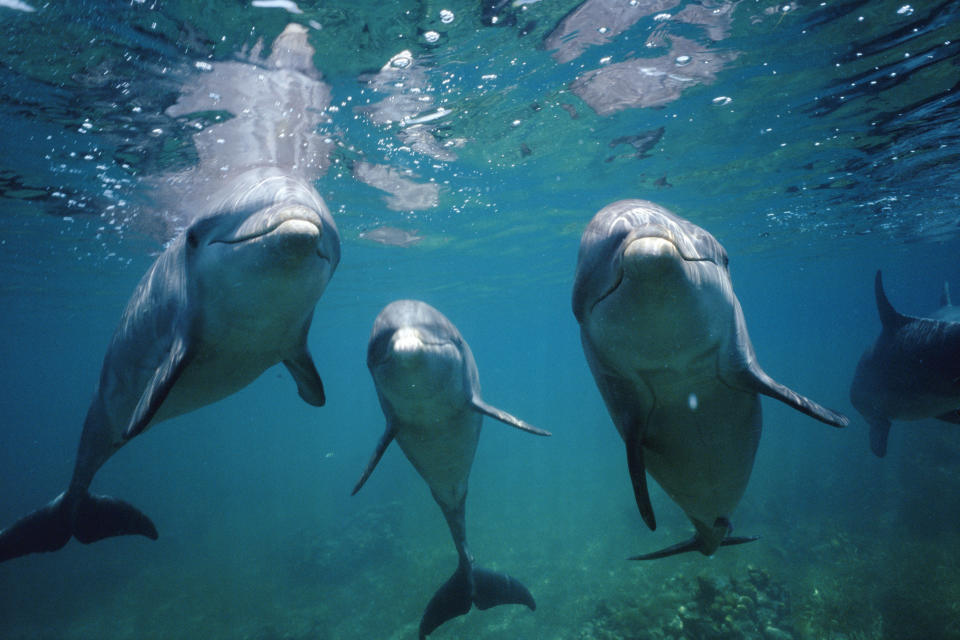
695	543
100	517
46	529
51	527
453	599
492	588
469	586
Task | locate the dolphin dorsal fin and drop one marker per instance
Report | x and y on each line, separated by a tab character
890	318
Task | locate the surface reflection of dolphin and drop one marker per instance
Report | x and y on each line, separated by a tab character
231	296
391	236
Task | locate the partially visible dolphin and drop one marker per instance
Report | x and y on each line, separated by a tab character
667	343
912	370
429	390
231	296
947	310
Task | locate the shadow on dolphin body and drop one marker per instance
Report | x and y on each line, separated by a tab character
231	295
666	341
911	371
429	390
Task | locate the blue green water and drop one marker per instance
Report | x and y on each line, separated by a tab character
835	155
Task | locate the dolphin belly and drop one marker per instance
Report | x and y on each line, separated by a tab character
701	450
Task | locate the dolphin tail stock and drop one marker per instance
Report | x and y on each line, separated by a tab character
469	586
86	517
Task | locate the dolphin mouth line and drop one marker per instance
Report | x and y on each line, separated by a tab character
391	354
264	232
662	236
665	235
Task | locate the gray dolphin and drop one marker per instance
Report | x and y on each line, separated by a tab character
429	390
231	296
667	343
912	370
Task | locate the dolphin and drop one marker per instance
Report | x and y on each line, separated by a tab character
912	370
429	390
231	296
666	341
947	310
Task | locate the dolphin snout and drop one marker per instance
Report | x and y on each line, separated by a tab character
406	340
650	247
271	219
650	253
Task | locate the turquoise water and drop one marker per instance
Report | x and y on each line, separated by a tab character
834	156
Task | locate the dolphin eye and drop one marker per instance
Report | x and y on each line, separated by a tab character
192	239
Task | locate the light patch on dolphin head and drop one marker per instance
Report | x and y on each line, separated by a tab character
417	367
406	340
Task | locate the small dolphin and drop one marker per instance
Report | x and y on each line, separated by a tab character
429	390
231	296
667	343
911	372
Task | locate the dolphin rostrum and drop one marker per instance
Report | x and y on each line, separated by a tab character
912	370
666	341
429	390
231	296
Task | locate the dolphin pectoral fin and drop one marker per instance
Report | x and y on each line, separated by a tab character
879	431
492	588
952	417
756	379
100	517
506	418
385	441
50	528
304	372
453	599
737	367
638	476
164	377
693	544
